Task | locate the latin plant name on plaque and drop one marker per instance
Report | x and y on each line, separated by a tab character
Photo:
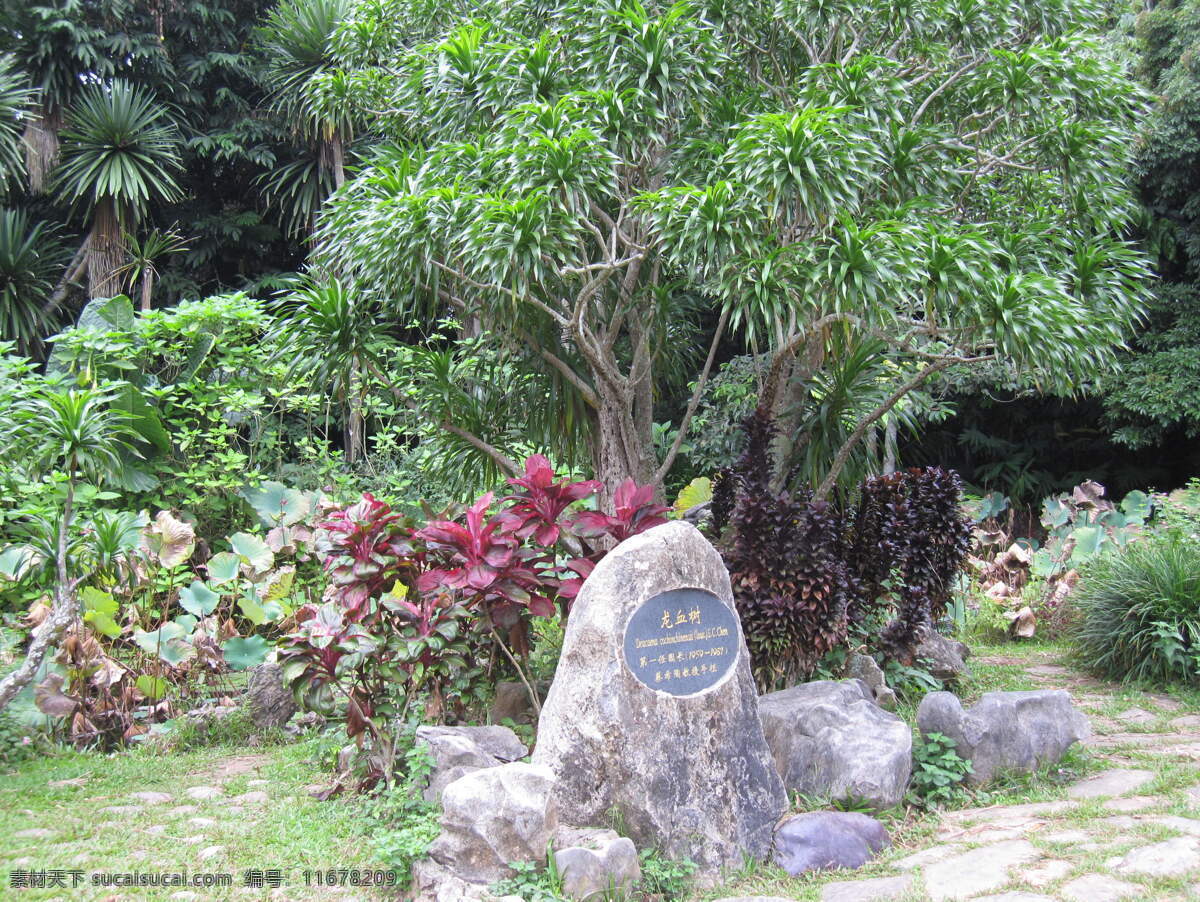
681	642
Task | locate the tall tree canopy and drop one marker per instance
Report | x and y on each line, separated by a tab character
948	179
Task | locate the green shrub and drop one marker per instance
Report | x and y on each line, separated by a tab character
1139	612
403	823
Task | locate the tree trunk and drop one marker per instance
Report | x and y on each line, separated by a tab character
106	251
41	147
147	288
619	450
333	158
889	447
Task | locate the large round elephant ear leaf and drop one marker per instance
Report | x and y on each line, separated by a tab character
169	540
241	653
253	551
168	642
198	599
223	567
276	504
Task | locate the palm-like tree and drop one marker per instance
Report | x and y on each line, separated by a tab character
296	40
15	97
119	155
31	260
82	433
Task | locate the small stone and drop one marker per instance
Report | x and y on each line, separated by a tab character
33	833
1098	888
156	829
202	821
946	657
203	793
210	852
73	781
820	840
1015	896
253	797
511	702
596	862
121	809
191	840
268	699
256	783
877	889
1115	782
151	798
978	871
1186	722
1133	803
1046	872
864	668
1172	858
179	810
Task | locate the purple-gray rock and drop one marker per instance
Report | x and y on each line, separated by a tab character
1005	731
822	840
689	774
831	741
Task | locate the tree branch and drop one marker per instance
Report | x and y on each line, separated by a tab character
694	402
843	454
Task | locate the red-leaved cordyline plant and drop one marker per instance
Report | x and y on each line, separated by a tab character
366	549
402	600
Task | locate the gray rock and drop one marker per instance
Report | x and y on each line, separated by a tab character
947	657
689	774
269	701
495	816
511	702
458	751
593	863
863	667
821	840
831	741
1005	731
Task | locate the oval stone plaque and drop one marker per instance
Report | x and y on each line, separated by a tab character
681	642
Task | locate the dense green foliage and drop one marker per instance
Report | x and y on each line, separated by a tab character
1140	612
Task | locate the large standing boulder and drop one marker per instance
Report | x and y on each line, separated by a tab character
493	817
831	741
458	751
824	840
1005	731
653	712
